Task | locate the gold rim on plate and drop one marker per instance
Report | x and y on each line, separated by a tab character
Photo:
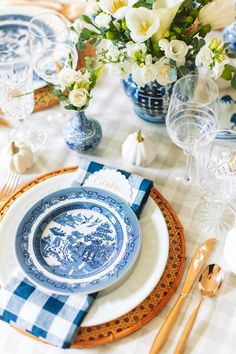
133	320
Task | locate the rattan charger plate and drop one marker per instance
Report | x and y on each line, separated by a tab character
158	298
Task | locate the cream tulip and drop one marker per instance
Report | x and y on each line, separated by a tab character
218	14
142	23
166	11
117	8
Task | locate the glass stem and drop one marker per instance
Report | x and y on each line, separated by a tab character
188	167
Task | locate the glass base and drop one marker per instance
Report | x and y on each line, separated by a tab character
214	219
35	137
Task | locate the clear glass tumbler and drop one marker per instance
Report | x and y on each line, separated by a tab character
216	170
216	175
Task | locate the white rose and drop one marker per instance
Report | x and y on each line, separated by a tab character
103	20
67	76
133	48
78	97
164	73
204	57
145	74
176	50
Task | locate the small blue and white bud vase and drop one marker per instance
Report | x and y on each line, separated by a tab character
82	134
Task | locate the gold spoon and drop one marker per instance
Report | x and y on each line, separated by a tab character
209	283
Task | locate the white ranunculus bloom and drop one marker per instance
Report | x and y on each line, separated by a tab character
204	57
78	97
218	14
165	10
68	76
164	73
145	74
117	8
142	23
102	20
163	43
133	48
176	50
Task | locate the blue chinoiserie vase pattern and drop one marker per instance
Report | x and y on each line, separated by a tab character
81	133
229	35
151	101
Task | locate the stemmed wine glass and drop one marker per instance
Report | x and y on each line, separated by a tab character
192	114
51	46
17	96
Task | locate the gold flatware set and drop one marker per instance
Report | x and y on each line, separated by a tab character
9	186
209	283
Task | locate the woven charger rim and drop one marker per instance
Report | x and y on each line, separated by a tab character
135	319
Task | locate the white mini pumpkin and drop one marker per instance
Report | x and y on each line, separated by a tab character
138	150
20	157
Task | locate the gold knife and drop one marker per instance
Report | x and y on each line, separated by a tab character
195	267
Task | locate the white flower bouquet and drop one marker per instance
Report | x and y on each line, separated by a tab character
158	40
74	86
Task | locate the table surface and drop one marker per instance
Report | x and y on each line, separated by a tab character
214	331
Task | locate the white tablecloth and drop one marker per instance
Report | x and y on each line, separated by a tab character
214	331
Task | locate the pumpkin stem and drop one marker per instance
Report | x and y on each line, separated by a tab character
139	137
14	148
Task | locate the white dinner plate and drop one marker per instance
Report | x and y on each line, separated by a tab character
137	285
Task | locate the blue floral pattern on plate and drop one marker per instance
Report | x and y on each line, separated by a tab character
14	36
78	240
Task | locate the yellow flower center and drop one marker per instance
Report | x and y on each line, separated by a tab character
117	4
144	27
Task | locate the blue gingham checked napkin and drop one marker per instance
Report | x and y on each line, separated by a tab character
56	318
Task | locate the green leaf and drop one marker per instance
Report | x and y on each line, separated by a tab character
70	107
233	82
227	73
87	19
231	68
95	75
183	71
231	55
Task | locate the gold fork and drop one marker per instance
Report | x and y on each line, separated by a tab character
9	186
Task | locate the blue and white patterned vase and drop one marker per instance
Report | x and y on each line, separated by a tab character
151	101
82	134
230	35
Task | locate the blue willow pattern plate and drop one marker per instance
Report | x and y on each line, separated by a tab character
14	36
78	240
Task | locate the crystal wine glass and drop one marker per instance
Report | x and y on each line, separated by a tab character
51	46
17	96
192	114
